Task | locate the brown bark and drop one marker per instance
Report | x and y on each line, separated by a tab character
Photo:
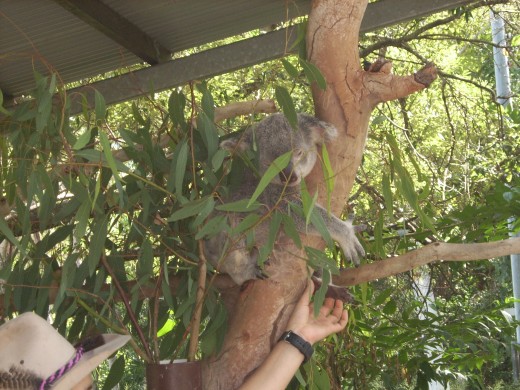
261	309
438	251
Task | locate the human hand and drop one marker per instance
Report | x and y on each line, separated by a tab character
331	318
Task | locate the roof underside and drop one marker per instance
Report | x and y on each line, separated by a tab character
80	39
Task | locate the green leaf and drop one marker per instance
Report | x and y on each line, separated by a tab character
321	380
274	228
319	259
378	246
212	227
117	370
383	296
285	101
207	130
290	68
6	231
144	267
313	74
68	273
239	206
180	167
515	41
82	141
208	105
246	224
165	287
137	115
308	202
274	169
176	105
290	230
218	159
328	174
390	307
191	208
100	106
107	151
97	244
387	194
168	326
82	218
319	296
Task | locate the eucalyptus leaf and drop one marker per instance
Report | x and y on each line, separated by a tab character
116	373
274	169
100	106
97	244
191	208
313	74
286	103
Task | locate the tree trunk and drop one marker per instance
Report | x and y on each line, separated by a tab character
261	309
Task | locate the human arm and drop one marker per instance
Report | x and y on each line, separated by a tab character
284	359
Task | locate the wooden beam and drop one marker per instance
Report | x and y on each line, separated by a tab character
104	19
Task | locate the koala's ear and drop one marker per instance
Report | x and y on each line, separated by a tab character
237	144
329	131
323	132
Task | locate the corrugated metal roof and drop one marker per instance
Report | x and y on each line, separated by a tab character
44	35
180	25
41	35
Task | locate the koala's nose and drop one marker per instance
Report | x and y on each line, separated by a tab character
287	176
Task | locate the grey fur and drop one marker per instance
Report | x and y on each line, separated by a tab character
273	137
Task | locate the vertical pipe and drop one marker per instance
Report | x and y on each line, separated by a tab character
503	88
502	79
515	275
423	285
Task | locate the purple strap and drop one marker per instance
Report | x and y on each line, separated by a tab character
47	383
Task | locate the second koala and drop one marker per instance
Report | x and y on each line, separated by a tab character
273	137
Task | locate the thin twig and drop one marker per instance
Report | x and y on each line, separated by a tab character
197	314
129	310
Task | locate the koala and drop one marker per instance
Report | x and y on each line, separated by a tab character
271	138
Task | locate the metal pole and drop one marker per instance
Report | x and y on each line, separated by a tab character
515	276
503	88
503	82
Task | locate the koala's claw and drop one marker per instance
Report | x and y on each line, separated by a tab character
261	274
336	292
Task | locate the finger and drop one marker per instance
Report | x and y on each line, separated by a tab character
344	319
338	309
327	307
306	296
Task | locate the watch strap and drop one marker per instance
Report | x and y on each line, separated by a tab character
299	343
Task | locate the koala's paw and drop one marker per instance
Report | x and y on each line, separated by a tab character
352	248
335	292
339	292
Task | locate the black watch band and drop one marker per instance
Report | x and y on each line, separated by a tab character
299	343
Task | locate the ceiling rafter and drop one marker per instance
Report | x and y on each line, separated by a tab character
104	19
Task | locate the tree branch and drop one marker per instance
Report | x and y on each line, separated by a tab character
385	86
438	251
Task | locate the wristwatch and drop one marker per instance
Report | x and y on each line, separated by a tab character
299	343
